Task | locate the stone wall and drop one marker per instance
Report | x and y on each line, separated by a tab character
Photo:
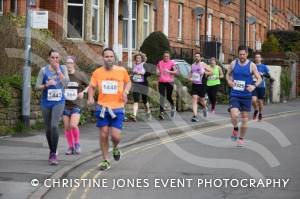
11	115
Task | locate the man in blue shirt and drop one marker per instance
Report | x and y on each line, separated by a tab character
239	78
258	94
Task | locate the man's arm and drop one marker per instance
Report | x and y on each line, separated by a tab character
229	75
256	74
91	93
221	74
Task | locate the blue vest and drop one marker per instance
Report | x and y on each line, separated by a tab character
242	77
52	95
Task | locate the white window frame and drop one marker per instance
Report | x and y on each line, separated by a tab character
166	17
146	20
231	36
179	22
96	7
209	27
198	26
1	11
221	30
83	22
106	21
133	19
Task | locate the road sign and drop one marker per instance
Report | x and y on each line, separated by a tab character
39	19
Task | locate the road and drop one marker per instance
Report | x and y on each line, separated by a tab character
178	164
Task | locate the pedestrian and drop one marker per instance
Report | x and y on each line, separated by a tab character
239	78
113	85
213	83
74	94
198	77
166	69
51	81
259	93
140	84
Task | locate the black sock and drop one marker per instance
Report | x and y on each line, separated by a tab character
236	128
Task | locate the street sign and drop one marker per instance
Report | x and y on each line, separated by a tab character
39	19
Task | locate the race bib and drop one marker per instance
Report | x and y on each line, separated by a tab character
54	94
138	78
71	94
109	87
239	85
212	77
73	84
196	77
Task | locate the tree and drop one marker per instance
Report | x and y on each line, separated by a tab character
154	46
271	44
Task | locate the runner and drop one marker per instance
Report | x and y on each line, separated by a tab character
140	85
51	81
213	83
198	76
74	93
113	84
259	92
166	69
239	78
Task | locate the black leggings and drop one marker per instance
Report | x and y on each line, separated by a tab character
51	118
212	95
163	89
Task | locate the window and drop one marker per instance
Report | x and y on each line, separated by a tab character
166	17
179	20
95	20
146	20
125	23
1	7
106	27
13	7
209	27
198	22
221	30
75	19
231	36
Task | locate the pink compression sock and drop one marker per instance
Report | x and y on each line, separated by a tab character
69	138
76	134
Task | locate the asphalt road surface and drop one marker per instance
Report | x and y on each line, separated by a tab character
198	164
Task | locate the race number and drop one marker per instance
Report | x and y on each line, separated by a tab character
54	94
109	87
138	78
239	85
212	77
196	77
71	94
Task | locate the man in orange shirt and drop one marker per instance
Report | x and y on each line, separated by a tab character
113	85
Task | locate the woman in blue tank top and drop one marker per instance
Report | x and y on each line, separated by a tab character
51	81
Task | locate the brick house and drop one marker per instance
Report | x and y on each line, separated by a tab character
185	26
93	22
99	23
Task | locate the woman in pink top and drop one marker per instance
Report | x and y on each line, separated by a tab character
166	69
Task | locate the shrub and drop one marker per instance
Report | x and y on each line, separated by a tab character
154	46
285	83
271	44
288	40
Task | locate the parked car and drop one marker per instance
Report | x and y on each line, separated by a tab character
183	67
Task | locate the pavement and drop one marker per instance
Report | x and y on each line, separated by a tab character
25	158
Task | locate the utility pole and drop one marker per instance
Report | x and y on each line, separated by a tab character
26	91
243	22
